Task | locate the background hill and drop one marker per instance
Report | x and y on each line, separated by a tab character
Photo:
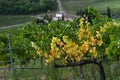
26	6
71	6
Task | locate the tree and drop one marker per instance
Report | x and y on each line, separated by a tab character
26	6
108	12
89	13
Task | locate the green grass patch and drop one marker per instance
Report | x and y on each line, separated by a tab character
71	6
6	20
10	31
87	72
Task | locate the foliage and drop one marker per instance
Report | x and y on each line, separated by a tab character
111	36
26	6
3	48
67	50
39	33
64	41
90	41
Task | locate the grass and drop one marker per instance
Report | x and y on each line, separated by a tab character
89	72
11	31
71	6
6	20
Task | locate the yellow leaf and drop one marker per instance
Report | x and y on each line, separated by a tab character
57	55
99	42
93	52
39	51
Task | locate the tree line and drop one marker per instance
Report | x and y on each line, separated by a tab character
26	6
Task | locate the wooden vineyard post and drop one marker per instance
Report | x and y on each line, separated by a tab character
10	48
